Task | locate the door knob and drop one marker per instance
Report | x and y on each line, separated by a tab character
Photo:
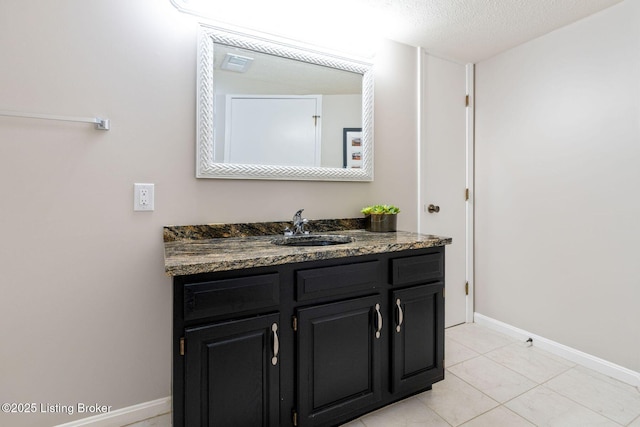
433	208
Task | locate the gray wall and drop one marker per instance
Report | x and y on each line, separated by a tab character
85	311
557	174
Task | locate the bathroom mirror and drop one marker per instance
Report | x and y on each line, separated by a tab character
270	108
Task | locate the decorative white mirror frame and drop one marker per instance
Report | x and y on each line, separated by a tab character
207	168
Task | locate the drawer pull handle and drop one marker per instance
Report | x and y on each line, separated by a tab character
379	320
276	344
400	315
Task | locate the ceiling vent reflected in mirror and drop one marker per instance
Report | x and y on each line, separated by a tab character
237	63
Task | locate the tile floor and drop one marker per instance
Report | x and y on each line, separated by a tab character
493	380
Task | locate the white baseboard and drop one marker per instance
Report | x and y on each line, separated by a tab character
600	365
125	416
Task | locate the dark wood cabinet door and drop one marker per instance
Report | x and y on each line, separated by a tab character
338	359
230	375
417	338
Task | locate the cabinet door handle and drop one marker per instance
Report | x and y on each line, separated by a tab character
400	315
276	344
379	320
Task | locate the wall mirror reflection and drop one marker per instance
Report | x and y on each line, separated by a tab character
268	109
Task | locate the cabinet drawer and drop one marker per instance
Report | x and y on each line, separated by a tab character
417	269
338	280
230	296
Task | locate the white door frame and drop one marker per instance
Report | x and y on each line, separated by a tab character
470	158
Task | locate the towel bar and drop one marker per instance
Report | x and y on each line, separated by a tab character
101	124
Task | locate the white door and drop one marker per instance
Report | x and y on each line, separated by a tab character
443	171
273	130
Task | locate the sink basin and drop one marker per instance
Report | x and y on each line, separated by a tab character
312	240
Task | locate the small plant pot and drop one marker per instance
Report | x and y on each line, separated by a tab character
380	223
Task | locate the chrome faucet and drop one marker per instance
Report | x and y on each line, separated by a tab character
298	224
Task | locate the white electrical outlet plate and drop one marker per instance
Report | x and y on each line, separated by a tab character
143	197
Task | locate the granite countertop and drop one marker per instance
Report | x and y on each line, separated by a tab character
221	247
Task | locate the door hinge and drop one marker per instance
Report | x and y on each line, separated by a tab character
466	100
466	194
443	292
294	418
182	346
294	323
466	288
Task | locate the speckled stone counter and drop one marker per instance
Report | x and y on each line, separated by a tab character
221	247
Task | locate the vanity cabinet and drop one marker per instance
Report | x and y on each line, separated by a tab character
416	357
226	367
417	298
232	373
314	343
338	359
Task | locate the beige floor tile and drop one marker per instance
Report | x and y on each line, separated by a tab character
407	413
454	352
485	368
498	417
493	379
607	396
456	401
478	338
355	423
546	408
535	364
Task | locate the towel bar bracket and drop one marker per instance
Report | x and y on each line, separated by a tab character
102	124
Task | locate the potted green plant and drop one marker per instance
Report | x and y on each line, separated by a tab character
381	218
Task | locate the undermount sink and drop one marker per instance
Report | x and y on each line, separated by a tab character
312	240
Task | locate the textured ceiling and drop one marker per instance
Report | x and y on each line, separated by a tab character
473	30
460	30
